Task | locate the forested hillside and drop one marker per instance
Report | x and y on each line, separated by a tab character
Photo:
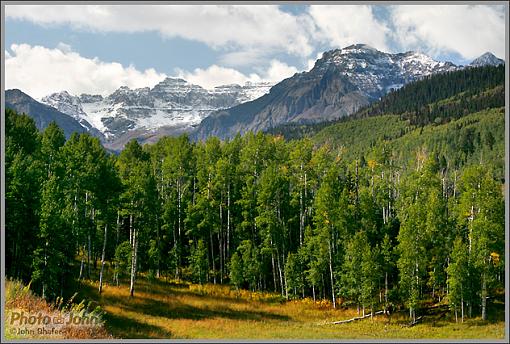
436	99
385	211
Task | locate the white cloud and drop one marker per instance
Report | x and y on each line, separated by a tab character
467	30
219	26
311	62
343	25
247	34
278	71
242	58
66	48
40	71
216	75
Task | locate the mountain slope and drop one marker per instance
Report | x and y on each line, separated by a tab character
341	82
459	114
436	98
486	59
171	106
42	114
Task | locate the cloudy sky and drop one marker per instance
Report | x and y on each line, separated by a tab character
98	48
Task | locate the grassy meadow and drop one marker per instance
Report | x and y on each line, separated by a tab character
170	309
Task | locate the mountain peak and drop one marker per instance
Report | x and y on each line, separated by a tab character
61	94
43	114
171	80
360	46
15	92
486	59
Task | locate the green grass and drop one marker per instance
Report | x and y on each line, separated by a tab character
180	310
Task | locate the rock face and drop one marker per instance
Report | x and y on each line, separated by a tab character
43	114
340	82
173	105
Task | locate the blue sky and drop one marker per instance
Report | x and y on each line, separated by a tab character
98	48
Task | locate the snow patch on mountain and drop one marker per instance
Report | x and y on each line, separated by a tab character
172	102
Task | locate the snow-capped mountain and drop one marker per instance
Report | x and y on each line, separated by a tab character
42	114
486	59
340	82
375	72
171	103
70	105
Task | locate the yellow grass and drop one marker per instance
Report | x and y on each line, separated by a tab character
180	310
21	303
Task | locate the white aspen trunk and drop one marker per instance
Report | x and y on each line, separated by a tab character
88	237
131	230
103	254
228	220
212	255
331	276
221	248
159	248
176	255
305	210
179	206
313	292
45	264
82	263
220	242
462	307
280	272
88	254
133	264
385	292
301	212
274	271
484	296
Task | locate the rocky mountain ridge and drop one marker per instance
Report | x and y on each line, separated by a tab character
341	81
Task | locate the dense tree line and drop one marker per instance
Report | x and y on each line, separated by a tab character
435	99
257	212
439	98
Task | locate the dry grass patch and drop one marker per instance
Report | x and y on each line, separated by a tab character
173	309
28	316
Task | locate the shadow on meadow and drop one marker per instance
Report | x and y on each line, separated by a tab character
171	309
221	292
174	309
161	299
124	327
